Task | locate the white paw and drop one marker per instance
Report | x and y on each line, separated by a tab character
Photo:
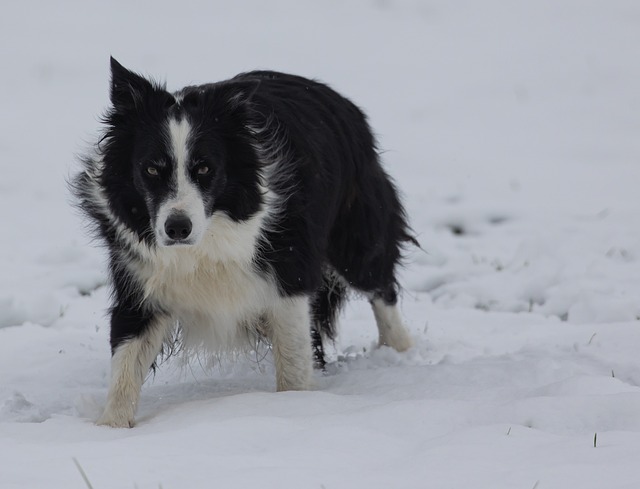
294	379
400	341
116	420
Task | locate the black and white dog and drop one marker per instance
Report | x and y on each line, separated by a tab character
238	210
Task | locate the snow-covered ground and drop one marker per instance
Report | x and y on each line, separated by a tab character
512	129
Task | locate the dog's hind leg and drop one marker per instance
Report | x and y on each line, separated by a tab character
131	360
391	330
317	347
366	244
325	308
384	302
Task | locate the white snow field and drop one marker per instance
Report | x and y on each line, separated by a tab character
513	130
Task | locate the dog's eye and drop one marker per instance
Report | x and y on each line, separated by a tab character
203	170
153	171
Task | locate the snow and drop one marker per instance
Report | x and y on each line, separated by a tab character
512	130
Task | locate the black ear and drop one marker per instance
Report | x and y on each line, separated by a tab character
127	88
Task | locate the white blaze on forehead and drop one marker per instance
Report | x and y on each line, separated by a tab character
179	132
187	198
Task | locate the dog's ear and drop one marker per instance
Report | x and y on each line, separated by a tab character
127	88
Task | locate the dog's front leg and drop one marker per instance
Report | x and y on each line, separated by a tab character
136	339
290	331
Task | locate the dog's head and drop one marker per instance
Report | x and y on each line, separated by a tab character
173	160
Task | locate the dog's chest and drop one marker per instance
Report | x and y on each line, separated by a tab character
216	278
205	293
206	286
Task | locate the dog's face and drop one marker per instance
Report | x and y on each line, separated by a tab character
186	155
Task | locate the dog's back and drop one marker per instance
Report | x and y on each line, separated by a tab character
355	223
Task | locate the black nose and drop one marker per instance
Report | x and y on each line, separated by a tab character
178	226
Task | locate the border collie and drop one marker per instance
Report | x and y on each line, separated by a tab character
233	211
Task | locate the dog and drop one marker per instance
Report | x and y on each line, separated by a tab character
238	210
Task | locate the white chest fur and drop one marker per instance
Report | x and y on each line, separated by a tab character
212	288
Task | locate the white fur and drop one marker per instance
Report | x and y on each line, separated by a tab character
129	366
213	290
187	199
219	299
390	328
212	287
288	324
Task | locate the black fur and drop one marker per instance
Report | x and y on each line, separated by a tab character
339	222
